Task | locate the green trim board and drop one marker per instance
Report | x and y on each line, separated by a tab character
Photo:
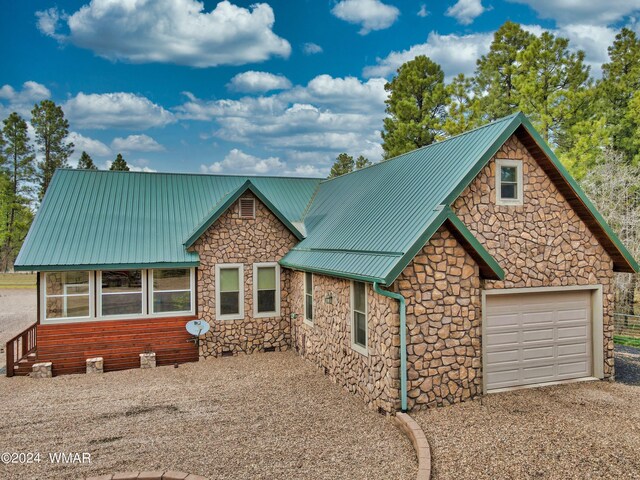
115	266
228	200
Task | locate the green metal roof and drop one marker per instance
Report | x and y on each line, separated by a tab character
369	224
102	219
365	225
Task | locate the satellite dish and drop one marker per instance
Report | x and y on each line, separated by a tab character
197	327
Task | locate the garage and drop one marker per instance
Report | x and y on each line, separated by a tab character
537	337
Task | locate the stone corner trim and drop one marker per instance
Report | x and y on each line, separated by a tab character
420	444
149	475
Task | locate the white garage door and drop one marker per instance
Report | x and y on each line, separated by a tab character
537	337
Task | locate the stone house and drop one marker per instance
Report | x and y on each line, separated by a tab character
469	266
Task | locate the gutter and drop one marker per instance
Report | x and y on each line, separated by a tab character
403	341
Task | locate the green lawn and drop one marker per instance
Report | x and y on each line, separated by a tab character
628	341
17	280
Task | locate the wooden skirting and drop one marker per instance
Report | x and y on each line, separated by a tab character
119	342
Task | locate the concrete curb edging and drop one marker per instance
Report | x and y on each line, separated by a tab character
413	431
149	475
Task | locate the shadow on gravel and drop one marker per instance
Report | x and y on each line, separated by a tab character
628	365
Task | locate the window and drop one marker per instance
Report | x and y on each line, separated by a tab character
508	182
68	294
121	292
359	317
229	291
247	208
308	297
171	290
266	289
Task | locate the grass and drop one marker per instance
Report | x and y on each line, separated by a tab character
627	341
17	280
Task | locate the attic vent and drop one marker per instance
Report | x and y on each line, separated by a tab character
247	208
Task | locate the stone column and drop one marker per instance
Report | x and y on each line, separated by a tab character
42	370
95	365
148	360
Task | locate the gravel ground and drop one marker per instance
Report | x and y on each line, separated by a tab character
628	365
17	312
269	415
583	430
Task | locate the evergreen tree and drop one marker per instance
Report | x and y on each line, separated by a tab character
553	88
51	131
620	82
416	107
362	162
17	166
463	107
496	70
86	162
119	164
343	164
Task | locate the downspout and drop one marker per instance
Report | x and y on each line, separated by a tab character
403	341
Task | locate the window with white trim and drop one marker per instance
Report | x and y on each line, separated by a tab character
508	182
230	291
68	295
359	316
171	290
121	292
266	289
308	297
247	206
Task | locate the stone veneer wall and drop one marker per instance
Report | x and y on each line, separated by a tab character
232	239
542	243
442	290
327	343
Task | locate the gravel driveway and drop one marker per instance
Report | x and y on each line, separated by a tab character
268	416
574	431
628	365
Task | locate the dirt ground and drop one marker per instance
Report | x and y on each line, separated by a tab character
269	416
583	430
17	312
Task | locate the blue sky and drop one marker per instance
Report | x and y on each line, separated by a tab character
274	88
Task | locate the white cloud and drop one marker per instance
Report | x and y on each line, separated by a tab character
116	110
466	11
253	81
307	125
136	143
311	48
22	101
591	12
93	147
423	12
455	54
134	166
369	14
237	161
170	31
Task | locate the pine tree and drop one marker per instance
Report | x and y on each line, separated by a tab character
51	131
553	88
119	164
362	162
416	107
463	107
620	82
86	162
343	164
17	166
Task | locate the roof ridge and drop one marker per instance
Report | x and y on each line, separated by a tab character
196	174
382	162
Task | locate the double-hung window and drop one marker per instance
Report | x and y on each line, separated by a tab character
266	289
122	292
359	317
508	182
230	291
171	290
308	297
68	295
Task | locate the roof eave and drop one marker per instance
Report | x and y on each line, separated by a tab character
329	272
105	266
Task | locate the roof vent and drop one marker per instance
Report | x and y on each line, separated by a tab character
247	208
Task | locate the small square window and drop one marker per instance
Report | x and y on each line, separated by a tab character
508	182
247	208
